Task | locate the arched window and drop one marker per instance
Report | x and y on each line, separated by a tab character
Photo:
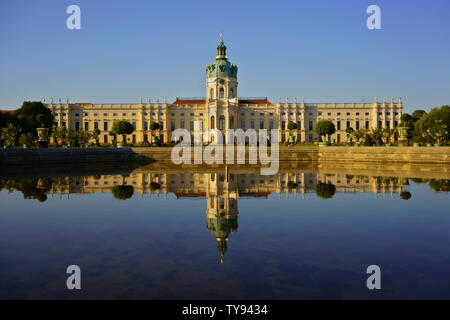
222	93
231	122
211	93
231	95
221	123
212	124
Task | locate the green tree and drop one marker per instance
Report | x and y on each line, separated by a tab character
95	135
292	125
83	137
359	134
27	139
33	115
122	127
431	126
417	114
59	135
325	127
9	134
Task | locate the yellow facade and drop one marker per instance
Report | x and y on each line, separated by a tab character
223	109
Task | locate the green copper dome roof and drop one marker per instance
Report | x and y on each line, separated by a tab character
221	67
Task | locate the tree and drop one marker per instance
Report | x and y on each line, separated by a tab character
426	128
292	125
33	115
325	127
27	139
417	114
8	135
83	137
95	135
59	135
359	134
349	130
122	127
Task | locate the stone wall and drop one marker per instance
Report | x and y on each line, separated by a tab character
338	156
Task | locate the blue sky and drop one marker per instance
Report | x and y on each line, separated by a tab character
321	50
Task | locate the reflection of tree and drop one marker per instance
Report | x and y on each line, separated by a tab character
122	192
154	186
30	188
439	185
325	190
405	195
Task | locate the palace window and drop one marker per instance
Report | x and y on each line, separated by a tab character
134	125
338	113
329	113
95	125
133	114
86	126
261	124
105	114
357	125
182	114
261	113
283	125
182	124
191	114
310	125
221	123
243	124
161	125
367	113
191	125
271	114
77	114
252	114
348	124
338	125
77	126
105	126
252	124
63	124
299	125
172	124
367	124
242	114
348	113
95	114
124	114
222	93
115	114
320	113
271	124
357	113
379	124
145	126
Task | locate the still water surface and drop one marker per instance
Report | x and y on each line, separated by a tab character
224	234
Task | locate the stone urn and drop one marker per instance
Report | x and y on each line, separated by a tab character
403	136
291	140
154	140
42	137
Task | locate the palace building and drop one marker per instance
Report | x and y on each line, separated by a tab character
223	109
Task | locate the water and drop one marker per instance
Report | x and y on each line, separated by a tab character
160	232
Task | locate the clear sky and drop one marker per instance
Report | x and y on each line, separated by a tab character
319	49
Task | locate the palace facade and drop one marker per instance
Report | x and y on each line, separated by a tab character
223	109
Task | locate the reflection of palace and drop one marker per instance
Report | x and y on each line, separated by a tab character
223	109
222	190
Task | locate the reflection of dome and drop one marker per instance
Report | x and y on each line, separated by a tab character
222	246
221	228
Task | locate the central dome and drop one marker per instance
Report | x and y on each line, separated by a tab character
221	67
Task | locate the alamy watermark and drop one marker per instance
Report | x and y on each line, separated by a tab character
237	141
